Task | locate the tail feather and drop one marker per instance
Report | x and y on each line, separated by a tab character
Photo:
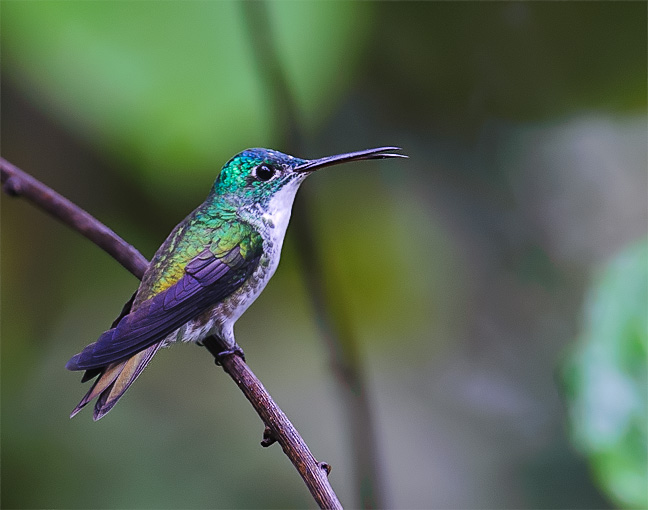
106	377
130	371
91	374
114	380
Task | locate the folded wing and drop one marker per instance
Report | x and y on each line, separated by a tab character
207	279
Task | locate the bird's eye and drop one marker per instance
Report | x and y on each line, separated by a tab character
264	172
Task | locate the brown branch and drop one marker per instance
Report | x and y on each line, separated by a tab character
279	429
278	426
15	182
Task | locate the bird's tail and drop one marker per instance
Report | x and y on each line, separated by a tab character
114	380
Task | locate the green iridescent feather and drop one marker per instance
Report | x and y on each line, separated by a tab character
200	231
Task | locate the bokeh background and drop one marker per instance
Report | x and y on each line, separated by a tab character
495	282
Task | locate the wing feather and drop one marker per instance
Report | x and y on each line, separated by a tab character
207	279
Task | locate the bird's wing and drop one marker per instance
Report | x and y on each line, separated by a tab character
207	279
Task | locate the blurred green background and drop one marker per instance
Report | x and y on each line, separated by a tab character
496	281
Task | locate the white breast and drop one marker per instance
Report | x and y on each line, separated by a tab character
272	225
277	216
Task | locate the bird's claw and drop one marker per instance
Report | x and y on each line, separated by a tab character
218	359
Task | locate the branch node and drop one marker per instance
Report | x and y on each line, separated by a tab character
326	467
12	186
269	437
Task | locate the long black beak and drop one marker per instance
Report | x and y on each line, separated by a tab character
378	153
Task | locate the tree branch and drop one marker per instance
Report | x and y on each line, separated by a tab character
15	182
278	426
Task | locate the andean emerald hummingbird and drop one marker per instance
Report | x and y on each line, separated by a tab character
209	270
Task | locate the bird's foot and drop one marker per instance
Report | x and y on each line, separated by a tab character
214	346
218	358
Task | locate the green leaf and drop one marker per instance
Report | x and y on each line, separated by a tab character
172	89
608	382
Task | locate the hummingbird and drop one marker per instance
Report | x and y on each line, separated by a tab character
207	272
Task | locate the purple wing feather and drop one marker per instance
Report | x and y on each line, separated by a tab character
207	280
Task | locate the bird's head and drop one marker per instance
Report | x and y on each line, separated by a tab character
255	176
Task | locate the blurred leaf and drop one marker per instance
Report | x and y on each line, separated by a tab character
384	262
171	88
608	379
168	85
320	45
